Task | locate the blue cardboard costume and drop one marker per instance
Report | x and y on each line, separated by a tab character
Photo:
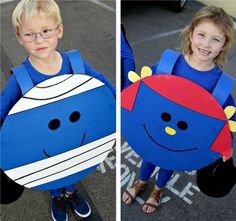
174	123
60	130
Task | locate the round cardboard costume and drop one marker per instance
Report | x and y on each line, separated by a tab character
60	130
174	123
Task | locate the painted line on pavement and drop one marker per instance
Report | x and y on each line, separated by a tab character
109	8
5	1
155	37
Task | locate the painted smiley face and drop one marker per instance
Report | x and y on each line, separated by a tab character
55	124
166	132
58	132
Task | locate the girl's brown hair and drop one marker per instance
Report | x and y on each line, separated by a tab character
221	19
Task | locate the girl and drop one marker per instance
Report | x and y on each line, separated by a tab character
205	43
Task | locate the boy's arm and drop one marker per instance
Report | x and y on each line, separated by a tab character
9	97
93	73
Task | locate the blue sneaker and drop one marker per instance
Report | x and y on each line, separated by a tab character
80	206
59	209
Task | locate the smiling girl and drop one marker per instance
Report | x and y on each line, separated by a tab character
205	43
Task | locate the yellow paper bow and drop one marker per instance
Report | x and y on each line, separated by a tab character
145	72
229	112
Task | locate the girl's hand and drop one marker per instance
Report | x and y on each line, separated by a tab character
231	154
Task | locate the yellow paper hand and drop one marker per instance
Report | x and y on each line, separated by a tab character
229	112
145	72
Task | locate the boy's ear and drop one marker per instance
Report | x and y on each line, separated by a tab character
60	31
18	38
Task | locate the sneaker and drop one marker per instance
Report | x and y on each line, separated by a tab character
80	206
59	209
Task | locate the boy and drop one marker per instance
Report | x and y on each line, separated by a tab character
38	27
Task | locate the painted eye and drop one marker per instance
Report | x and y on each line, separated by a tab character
75	116
182	125
166	117
54	124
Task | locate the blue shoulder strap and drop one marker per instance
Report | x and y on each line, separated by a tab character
23	78
223	88
76	62
167	62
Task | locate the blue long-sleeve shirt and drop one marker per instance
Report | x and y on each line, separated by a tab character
127	61
12	92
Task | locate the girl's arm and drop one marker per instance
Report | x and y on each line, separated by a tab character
229	102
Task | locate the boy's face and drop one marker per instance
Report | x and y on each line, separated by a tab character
207	41
37	45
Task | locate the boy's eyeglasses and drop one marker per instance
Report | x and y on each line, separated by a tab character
46	33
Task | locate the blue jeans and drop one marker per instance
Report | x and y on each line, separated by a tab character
147	169
58	192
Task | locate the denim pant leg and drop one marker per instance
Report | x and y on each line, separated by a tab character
163	177
146	170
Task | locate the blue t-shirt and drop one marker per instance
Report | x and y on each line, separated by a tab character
12	92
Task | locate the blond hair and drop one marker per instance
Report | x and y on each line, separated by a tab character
221	19
31	8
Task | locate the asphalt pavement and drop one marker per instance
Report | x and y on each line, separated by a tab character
151	28
89	26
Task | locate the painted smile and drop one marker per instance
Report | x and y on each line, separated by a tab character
173	150
47	155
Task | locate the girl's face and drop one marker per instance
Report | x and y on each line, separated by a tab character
207	40
39	36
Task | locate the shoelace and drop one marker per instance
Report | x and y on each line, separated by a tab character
74	198
59	203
